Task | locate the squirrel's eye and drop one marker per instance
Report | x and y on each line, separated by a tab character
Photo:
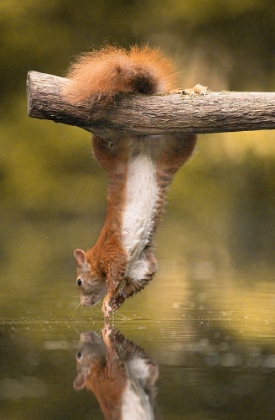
79	282
79	355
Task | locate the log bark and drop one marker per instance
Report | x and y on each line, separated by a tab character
157	114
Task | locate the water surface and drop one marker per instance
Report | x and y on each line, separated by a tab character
212	338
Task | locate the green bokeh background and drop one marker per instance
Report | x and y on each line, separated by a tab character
215	246
221	206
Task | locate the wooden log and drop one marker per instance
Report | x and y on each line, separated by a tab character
157	114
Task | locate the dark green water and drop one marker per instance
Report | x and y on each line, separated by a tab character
212	339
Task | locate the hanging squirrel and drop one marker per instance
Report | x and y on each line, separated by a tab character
139	169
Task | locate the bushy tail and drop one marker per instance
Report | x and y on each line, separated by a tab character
112	70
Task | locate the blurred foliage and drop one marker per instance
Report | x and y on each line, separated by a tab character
221	206
220	219
45	35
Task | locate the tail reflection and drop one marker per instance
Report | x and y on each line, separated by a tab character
119	373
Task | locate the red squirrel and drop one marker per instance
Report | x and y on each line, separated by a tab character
119	374
139	169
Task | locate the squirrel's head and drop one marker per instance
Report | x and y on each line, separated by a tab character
92	287
91	350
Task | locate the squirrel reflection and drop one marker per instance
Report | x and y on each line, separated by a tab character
119	373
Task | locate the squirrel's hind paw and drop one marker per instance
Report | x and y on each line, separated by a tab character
196	90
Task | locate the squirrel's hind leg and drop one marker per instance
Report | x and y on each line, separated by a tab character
135	283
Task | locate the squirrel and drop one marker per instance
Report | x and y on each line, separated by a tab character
139	169
118	373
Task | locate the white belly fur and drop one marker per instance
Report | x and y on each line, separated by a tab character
138	217
135	403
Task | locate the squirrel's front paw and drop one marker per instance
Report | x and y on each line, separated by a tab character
106	331
106	308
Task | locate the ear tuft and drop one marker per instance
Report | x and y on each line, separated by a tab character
79	382
80	257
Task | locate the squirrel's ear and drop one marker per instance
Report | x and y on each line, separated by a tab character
79	382
80	257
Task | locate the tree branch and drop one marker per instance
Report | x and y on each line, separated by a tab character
158	114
